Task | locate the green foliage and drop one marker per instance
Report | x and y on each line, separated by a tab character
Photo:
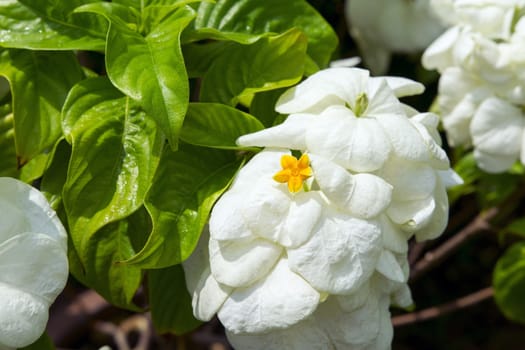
170	305
187	184
509	282
133	168
42	343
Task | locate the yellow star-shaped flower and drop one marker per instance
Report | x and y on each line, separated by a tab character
295	172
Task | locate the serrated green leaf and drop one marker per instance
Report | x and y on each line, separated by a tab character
170	302
187	184
116	150
150	68
245	21
509	283
270	63
216	125
38	95
49	25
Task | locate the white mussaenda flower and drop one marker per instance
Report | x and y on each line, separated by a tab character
482	87
311	251
33	262
382	27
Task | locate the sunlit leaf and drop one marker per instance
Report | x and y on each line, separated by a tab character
269	63
217	125
49	25
38	95
148	67
245	21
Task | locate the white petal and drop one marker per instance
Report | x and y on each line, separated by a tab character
225	221
410	180
450	178
262	166
35	208
406	140
207	294
412	215
439	54
304	335
289	134
388	266
265	209
381	99
240	262
393	238
349	330
305	211
341	254
34	263
278	301
359	144
24	317
497	128
364	195
402	297
439	219
332	86
493	163
404	87
426	124
352	301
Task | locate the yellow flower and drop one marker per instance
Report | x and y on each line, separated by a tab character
294	171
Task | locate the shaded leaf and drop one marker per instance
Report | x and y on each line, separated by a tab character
187	184
170	302
509	283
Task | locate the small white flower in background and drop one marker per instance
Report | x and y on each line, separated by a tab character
33	262
382	27
307	249
482	86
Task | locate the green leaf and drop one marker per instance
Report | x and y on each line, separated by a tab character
8	164
42	343
263	106
49	25
150	68
216	125
116	150
516	227
509	283
270	63
38	95
170	302
200	56
54	177
187	184
245	21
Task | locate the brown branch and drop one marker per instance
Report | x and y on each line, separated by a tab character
440	310
481	223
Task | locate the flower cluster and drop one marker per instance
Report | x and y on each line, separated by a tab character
381	27
307	249
33	262
482	87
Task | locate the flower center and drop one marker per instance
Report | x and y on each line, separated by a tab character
294	172
361	104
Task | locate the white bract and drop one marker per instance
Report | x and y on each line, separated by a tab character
482	87
382	27
33	262
309	252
